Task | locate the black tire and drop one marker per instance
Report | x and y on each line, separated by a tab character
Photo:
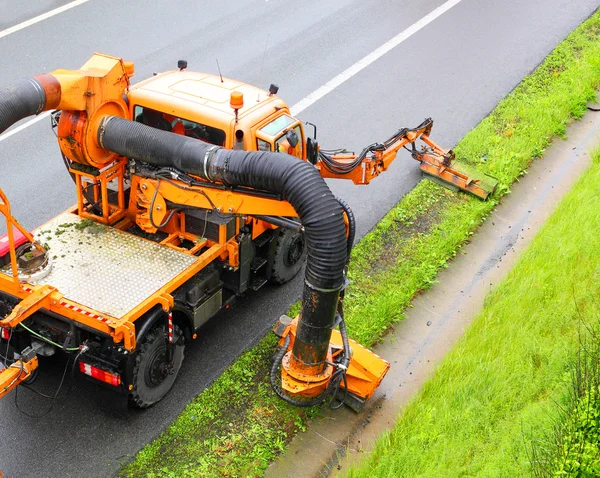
290	256
151	380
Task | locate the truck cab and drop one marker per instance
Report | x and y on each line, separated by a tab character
219	111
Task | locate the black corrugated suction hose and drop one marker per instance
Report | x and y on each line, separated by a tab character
296	181
25	97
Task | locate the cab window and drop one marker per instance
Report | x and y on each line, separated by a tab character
263	145
177	125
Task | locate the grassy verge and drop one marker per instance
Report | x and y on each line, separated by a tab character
400	257
508	374
572	447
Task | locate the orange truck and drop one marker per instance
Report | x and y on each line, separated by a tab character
192	190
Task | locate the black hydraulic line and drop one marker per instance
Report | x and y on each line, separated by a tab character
338	377
340	374
275	377
282	222
351	224
149	319
150	213
341	168
298	182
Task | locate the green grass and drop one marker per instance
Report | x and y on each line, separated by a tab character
396	260
509	372
233	428
572	446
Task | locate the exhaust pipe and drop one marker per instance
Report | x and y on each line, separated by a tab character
296	181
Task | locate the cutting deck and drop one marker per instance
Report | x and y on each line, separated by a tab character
106	269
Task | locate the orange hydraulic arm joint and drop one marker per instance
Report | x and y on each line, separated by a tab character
18	371
376	158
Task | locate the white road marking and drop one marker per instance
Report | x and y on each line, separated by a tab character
307	100
39	18
370	58
24	125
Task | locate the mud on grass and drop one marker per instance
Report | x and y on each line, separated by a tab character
402	256
381	249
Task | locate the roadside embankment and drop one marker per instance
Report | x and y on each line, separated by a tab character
237	426
438	318
505	384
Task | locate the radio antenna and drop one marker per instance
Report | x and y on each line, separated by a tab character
219	68
262	66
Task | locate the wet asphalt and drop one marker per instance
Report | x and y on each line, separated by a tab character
455	70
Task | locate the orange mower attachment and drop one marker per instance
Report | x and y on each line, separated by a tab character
352	384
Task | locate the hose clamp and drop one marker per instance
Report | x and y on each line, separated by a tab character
320	289
102	129
42	103
208	156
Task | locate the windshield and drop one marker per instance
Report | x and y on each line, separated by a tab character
277	125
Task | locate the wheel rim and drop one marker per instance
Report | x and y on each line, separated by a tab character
295	250
156	371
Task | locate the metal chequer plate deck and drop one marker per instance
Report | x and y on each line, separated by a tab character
106	269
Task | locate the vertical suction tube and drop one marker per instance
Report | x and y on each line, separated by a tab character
27	97
296	181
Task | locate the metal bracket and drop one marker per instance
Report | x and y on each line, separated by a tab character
38	299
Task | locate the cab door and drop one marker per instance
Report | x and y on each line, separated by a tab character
283	134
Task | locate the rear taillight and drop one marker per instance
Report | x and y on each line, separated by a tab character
4	333
100	374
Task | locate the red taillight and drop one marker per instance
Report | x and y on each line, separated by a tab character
100	374
5	333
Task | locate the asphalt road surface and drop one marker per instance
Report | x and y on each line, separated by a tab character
455	70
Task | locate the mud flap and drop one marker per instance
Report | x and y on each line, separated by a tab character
113	400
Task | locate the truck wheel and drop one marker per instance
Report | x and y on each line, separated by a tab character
152	378
290	256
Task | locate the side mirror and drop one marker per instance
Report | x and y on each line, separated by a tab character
292	138
312	150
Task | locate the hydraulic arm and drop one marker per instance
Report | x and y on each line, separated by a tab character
376	158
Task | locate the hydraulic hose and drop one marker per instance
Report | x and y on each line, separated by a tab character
27	97
296	181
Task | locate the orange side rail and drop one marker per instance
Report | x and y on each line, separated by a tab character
11	223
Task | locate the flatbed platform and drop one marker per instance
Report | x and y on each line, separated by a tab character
103	268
